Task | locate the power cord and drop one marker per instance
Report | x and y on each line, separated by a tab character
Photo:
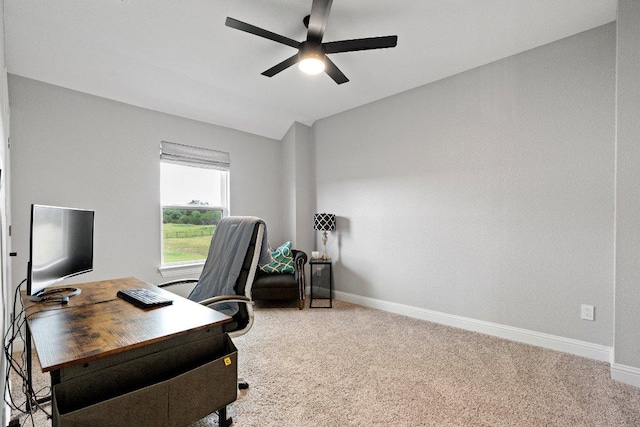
17	365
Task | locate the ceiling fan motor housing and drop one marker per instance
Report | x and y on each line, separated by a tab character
310	49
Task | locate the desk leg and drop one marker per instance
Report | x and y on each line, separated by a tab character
27	346
32	400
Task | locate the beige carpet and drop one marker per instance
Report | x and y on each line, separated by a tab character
354	366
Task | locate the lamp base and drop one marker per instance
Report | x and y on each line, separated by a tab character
324	245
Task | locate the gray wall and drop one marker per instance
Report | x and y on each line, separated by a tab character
298	186
487	195
627	332
74	149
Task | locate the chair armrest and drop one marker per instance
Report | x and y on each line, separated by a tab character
182	287
226	298
300	259
176	282
297	255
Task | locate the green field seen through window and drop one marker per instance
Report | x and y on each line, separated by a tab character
185	242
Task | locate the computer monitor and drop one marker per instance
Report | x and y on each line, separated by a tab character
61	245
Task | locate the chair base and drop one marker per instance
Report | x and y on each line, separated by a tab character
223	421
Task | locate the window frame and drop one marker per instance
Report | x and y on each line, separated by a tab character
201	158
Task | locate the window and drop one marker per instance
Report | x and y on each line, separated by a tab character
194	196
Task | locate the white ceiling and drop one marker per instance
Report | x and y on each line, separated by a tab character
178	57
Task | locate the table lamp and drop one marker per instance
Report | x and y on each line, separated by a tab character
324	222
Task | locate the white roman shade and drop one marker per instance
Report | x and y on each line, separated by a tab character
187	155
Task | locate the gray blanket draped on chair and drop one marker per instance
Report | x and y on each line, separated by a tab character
224	262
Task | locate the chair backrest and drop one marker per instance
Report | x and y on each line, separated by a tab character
243	319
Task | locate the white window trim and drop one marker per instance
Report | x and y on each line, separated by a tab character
180	270
199	207
187	155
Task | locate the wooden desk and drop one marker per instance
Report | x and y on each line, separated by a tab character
108	357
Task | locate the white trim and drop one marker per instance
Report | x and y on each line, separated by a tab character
7	411
18	345
553	342
196	207
187	155
625	374
181	270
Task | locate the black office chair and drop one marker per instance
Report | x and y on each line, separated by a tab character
246	256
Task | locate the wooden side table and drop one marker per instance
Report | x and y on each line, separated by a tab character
321	282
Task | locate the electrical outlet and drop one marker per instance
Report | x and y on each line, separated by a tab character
587	312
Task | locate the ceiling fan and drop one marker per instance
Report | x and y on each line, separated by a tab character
312	53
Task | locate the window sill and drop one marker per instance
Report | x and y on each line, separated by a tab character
181	270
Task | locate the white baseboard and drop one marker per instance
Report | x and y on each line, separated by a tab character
18	345
625	374
553	342
7	414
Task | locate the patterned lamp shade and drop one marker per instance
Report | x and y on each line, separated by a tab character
324	222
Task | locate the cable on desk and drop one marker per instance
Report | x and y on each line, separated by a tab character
62	307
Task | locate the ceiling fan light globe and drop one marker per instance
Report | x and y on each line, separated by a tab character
311	65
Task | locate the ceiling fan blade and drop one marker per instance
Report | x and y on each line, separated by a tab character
281	66
318	19
334	72
252	29
361	44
